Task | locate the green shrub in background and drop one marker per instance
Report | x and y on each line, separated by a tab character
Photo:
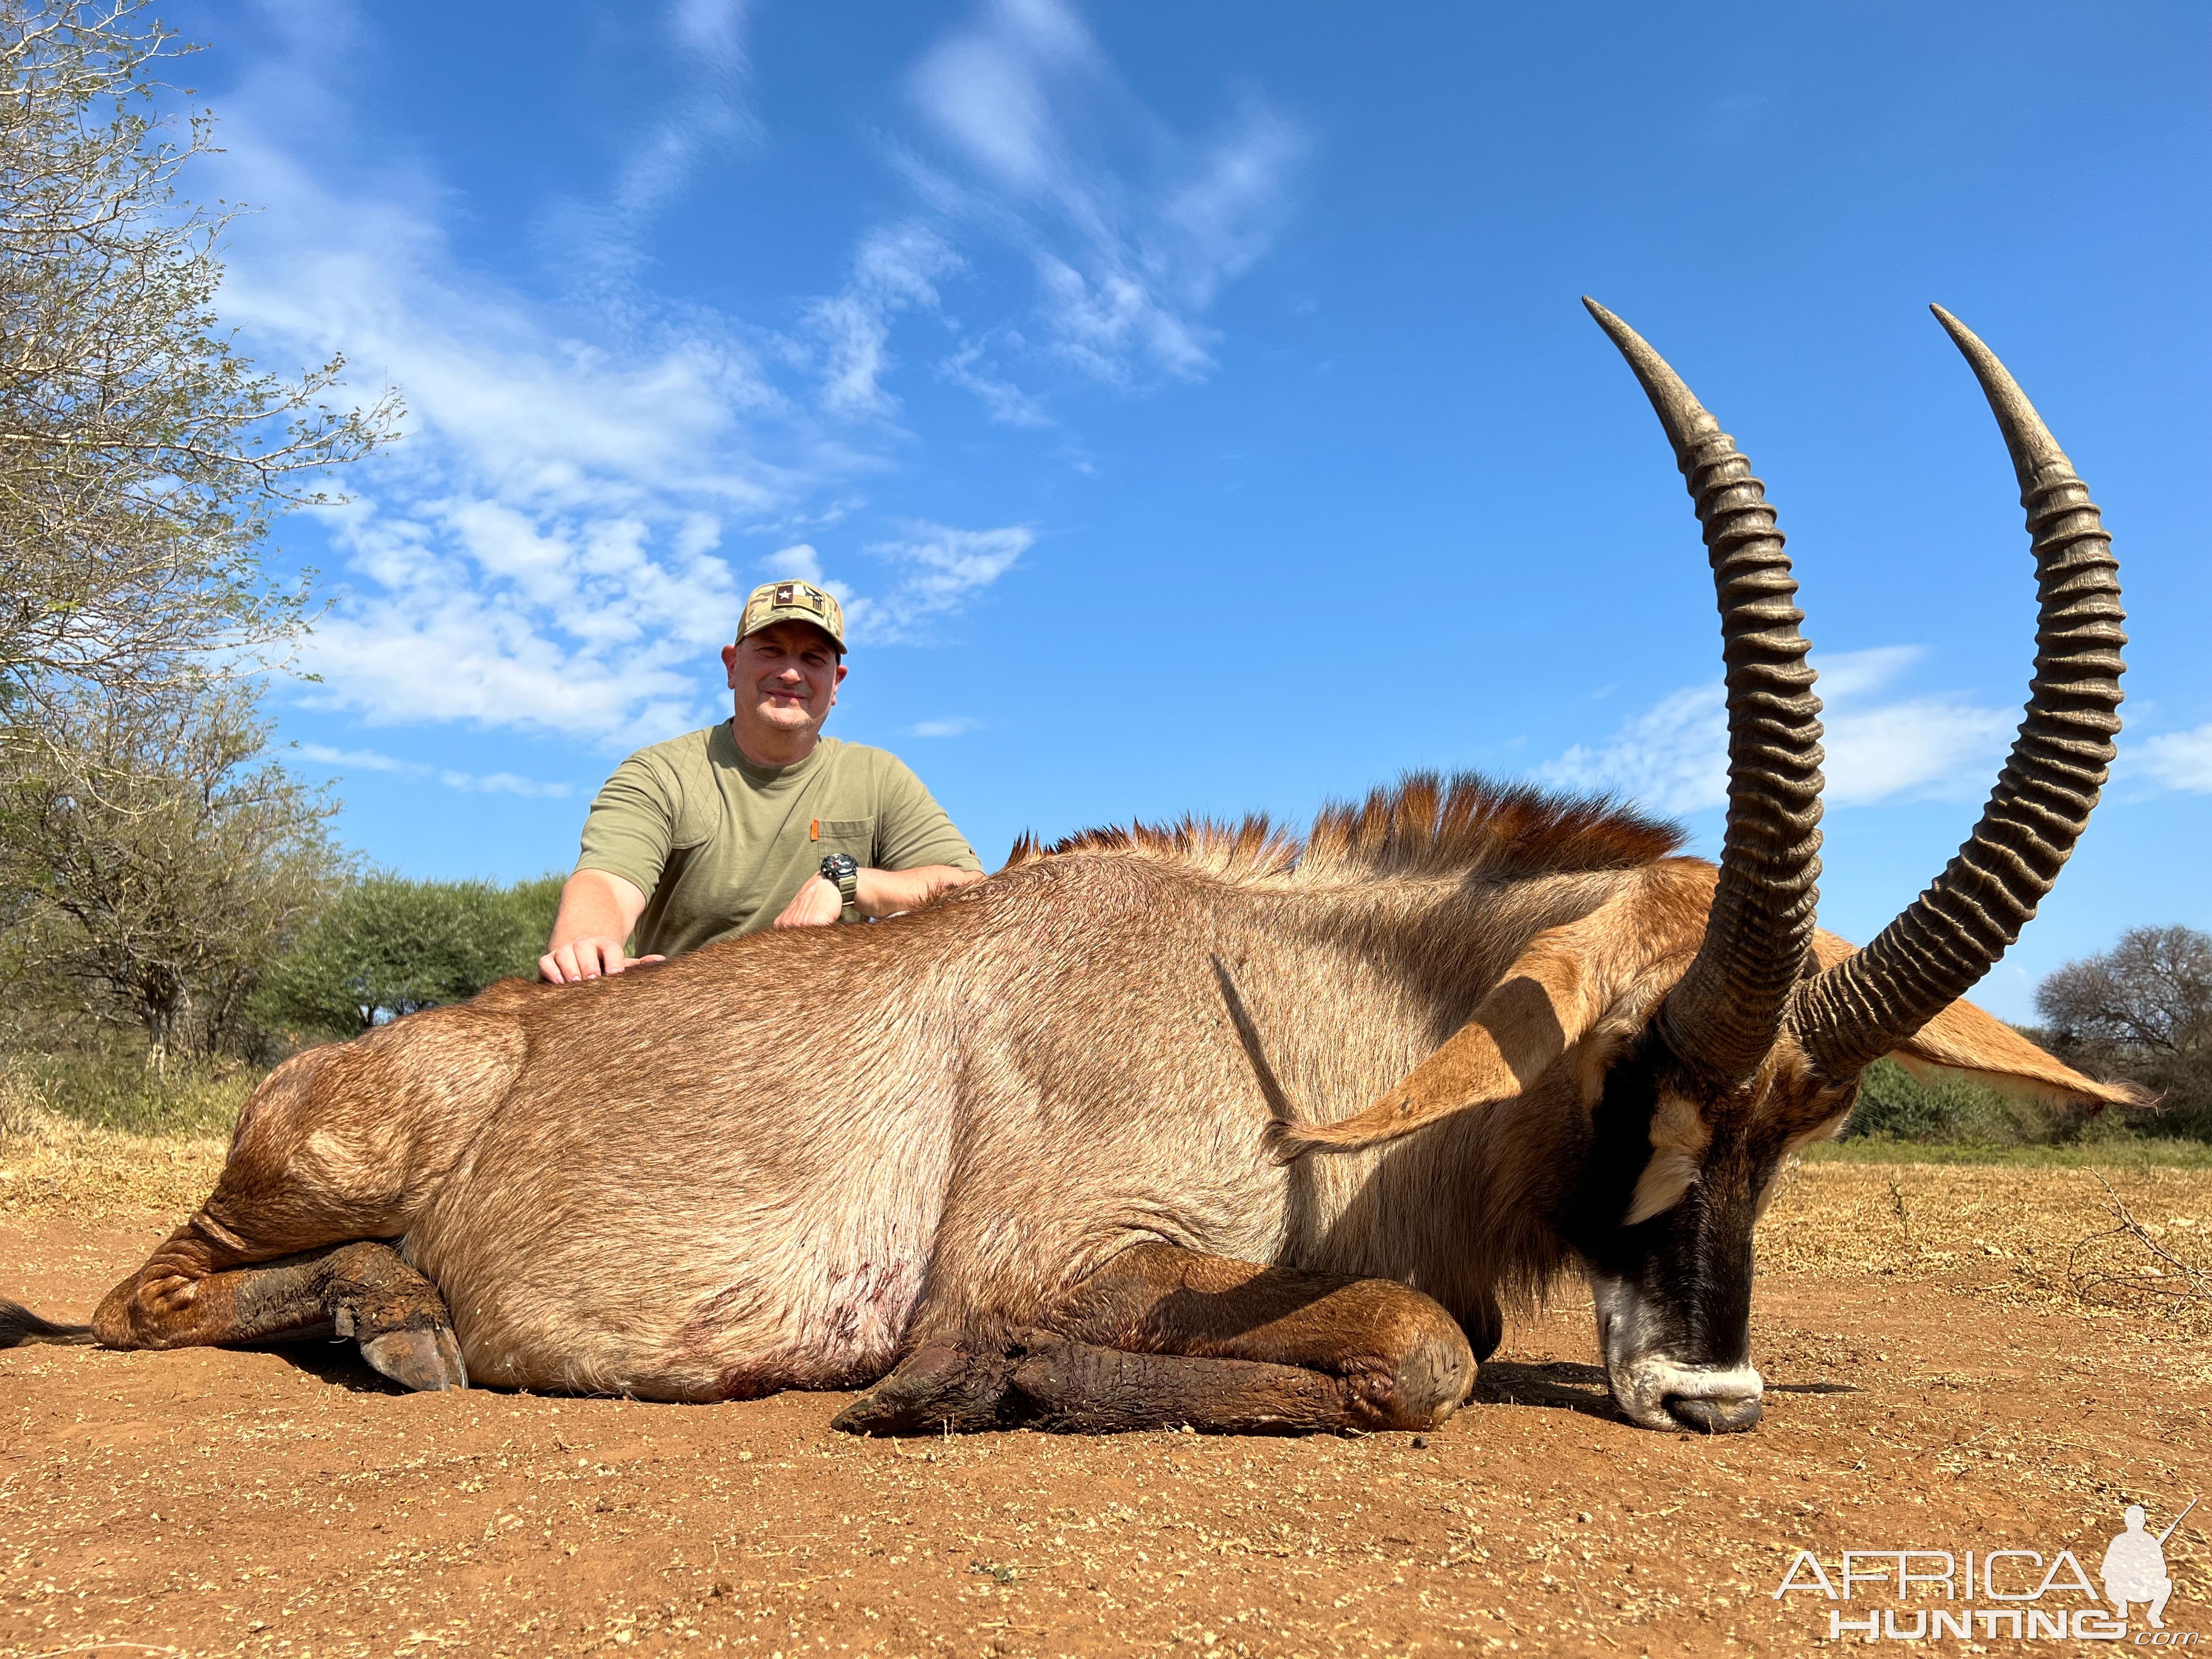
386	947
1953	1111
536	902
107	1084
1893	1105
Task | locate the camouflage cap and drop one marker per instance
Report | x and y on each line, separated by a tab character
775	602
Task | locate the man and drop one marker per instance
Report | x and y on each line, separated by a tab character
756	822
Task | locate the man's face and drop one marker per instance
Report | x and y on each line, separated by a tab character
786	677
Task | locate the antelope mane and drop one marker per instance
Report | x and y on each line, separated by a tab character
1426	825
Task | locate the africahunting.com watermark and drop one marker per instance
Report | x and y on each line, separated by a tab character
1992	1595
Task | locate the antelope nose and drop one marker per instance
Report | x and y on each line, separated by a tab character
1715	1416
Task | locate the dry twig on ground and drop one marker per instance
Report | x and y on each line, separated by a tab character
2110	1269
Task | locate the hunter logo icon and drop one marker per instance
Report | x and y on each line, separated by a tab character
2134	1566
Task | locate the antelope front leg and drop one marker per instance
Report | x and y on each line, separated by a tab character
1078	1387
1161	1337
1322	1351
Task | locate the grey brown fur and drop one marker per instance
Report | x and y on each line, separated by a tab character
690	1183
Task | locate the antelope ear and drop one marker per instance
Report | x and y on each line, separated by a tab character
1557	988
1967	1041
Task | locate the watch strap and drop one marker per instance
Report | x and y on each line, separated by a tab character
842	871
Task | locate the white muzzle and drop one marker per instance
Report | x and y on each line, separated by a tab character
1657	1390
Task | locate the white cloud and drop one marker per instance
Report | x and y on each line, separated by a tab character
798	561
491	783
556	545
2180	760
705	111
1674	757
547	548
713	30
897	267
1005	402
360	760
940	569
1026	121
1029	120
501	783
957	726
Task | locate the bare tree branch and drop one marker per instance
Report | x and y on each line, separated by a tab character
142	457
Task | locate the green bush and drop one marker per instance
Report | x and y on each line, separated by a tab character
112	1086
535	903
386	947
1952	1111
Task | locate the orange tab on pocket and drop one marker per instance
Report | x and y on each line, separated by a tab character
814	830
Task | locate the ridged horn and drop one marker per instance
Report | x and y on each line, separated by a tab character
1722	1016
1953	933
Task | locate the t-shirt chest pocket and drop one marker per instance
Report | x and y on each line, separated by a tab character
854	836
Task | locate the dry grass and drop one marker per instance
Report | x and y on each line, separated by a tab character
64	1163
2129	1265
2042	1236
238	1502
50	1166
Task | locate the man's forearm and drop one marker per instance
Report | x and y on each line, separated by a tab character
596	904
887	892
597	910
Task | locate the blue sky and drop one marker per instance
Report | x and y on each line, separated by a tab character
1194	404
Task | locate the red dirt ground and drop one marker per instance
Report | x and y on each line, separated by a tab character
287	1503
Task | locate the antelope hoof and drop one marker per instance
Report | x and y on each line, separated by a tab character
1719	1416
941	1387
426	1361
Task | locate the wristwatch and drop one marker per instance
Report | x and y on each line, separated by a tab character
842	871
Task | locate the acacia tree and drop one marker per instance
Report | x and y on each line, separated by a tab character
2143	1008
159	860
152	857
142	457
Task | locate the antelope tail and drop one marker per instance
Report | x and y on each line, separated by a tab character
19	1326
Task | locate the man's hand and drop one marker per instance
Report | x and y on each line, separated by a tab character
597	910
879	893
586	958
816	903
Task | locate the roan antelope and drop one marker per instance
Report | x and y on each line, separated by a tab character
1205	1127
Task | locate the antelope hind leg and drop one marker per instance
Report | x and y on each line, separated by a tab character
362	1290
952	1387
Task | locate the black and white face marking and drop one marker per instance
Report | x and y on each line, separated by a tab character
1663	1222
1828	1128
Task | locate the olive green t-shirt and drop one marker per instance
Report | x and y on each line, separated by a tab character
720	846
